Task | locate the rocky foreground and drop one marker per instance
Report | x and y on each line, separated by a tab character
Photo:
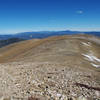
47	81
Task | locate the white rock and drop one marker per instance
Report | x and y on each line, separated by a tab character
58	95
1	98
81	98
64	97
97	93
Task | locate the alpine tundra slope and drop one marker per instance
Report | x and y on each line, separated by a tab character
56	68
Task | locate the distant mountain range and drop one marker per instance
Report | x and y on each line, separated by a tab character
44	34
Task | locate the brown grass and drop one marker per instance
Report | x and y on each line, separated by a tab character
21	49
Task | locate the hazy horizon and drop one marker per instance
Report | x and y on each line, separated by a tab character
48	31
49	15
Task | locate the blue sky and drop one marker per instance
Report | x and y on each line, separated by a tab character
43	15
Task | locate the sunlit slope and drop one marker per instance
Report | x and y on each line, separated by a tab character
76	50
12	51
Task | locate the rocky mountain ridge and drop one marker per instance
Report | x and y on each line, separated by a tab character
55	68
